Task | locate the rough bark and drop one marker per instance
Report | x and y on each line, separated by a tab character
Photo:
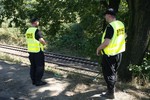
138	35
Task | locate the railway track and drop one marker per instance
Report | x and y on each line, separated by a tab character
76	63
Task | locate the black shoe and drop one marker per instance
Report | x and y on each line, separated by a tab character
108	95
33	83
40	83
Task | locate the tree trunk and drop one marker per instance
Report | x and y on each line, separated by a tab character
138	36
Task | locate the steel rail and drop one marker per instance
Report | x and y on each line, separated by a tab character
59	59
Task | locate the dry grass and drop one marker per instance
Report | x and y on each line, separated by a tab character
12	36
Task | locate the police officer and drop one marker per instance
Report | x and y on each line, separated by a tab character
111	48
35	46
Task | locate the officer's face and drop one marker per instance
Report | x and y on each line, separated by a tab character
37	23
106	17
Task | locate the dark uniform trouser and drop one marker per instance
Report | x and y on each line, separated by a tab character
110	65
37	66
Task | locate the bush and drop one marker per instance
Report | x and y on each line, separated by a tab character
72	39
142	72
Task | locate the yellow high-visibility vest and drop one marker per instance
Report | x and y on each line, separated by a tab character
117	43
33	45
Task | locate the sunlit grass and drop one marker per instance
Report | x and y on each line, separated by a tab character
12	36
7	57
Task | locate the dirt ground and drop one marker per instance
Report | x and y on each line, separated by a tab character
15	84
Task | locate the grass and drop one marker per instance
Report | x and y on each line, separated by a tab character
7	35
7	57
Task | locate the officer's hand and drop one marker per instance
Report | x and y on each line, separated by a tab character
45	47
98	52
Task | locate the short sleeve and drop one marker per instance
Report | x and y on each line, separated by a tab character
38	34
109	32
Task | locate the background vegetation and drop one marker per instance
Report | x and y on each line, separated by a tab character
70	26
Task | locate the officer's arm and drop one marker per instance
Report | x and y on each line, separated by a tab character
103	45
42	41
39	37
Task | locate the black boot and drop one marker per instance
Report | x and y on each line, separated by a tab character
40	83
109	95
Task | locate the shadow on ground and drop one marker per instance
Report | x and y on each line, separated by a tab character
16	85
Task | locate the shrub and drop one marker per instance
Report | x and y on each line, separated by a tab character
142	72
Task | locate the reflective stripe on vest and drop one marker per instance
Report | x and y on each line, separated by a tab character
117	43
33	45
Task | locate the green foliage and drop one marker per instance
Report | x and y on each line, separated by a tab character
142	71
69	25
73	38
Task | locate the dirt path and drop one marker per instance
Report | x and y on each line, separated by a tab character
15	84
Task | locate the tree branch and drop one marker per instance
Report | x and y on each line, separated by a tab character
104	3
